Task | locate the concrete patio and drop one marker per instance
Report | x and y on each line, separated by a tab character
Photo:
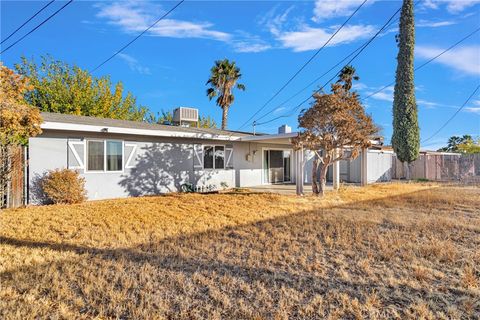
284	188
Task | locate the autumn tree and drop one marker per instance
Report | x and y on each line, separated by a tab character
63	88
406	132
335	128
224	76
18	120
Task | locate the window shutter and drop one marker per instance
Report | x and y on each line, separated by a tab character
198	156
76	154
228	157
130	154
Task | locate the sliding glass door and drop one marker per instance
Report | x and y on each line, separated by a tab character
276	166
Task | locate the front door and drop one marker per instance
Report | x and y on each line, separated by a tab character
276	166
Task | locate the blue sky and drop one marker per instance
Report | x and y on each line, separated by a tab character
269	40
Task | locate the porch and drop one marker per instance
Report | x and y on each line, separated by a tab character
284	188
284	164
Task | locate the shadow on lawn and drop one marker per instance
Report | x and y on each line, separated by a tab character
234	252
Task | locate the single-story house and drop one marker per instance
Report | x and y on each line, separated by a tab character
121	158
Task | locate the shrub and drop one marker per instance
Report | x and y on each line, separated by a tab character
64	186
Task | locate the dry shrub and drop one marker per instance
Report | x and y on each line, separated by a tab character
64	186
469	278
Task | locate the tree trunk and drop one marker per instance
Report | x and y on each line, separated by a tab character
408	170
224	118
323	179
315	186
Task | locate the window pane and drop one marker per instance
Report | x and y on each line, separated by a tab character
114	156
95	155
219	157
208	157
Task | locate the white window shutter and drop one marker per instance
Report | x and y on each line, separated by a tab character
76	154
130	154
229	157
198	156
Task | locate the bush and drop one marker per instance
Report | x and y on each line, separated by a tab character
64	186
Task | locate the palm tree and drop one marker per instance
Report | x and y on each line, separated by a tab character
223	78
347	75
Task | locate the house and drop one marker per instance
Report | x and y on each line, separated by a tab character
121	158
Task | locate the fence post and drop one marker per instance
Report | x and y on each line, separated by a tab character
364	167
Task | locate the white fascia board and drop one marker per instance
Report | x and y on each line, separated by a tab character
285	136
270	136
142	132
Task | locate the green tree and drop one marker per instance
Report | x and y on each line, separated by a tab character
206	122
454	142
406	132
223	79
346	76
165	117
463	144
470	147
63	88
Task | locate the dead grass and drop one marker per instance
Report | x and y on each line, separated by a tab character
403	251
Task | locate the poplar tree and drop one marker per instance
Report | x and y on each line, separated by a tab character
406	133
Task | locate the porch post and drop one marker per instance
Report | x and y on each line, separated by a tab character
364	167
299	171
336	172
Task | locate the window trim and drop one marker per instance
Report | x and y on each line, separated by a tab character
104	156
213	146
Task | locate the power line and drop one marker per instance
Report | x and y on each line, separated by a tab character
136	38
336	74
319	77
303	66
23	24
38	26
454	115
426	62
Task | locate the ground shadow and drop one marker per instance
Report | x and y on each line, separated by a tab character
230	253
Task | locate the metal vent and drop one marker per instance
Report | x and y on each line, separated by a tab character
182	114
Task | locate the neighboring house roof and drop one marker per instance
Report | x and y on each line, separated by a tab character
58	121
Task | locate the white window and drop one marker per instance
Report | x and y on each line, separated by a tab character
114	155
104	155
214	157
95	155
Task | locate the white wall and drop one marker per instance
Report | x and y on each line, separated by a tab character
160	165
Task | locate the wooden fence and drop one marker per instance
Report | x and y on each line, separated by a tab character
438	166
12	180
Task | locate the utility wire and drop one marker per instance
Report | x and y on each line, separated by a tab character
426	62
303	66
336	74
453	116
23	24
38	26
319	77
136	38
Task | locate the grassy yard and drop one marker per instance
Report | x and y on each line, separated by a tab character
385	251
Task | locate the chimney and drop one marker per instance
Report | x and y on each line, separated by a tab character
284	129
185	117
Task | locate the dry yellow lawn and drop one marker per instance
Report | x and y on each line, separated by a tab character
385	251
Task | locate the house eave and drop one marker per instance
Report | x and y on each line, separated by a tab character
133	131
